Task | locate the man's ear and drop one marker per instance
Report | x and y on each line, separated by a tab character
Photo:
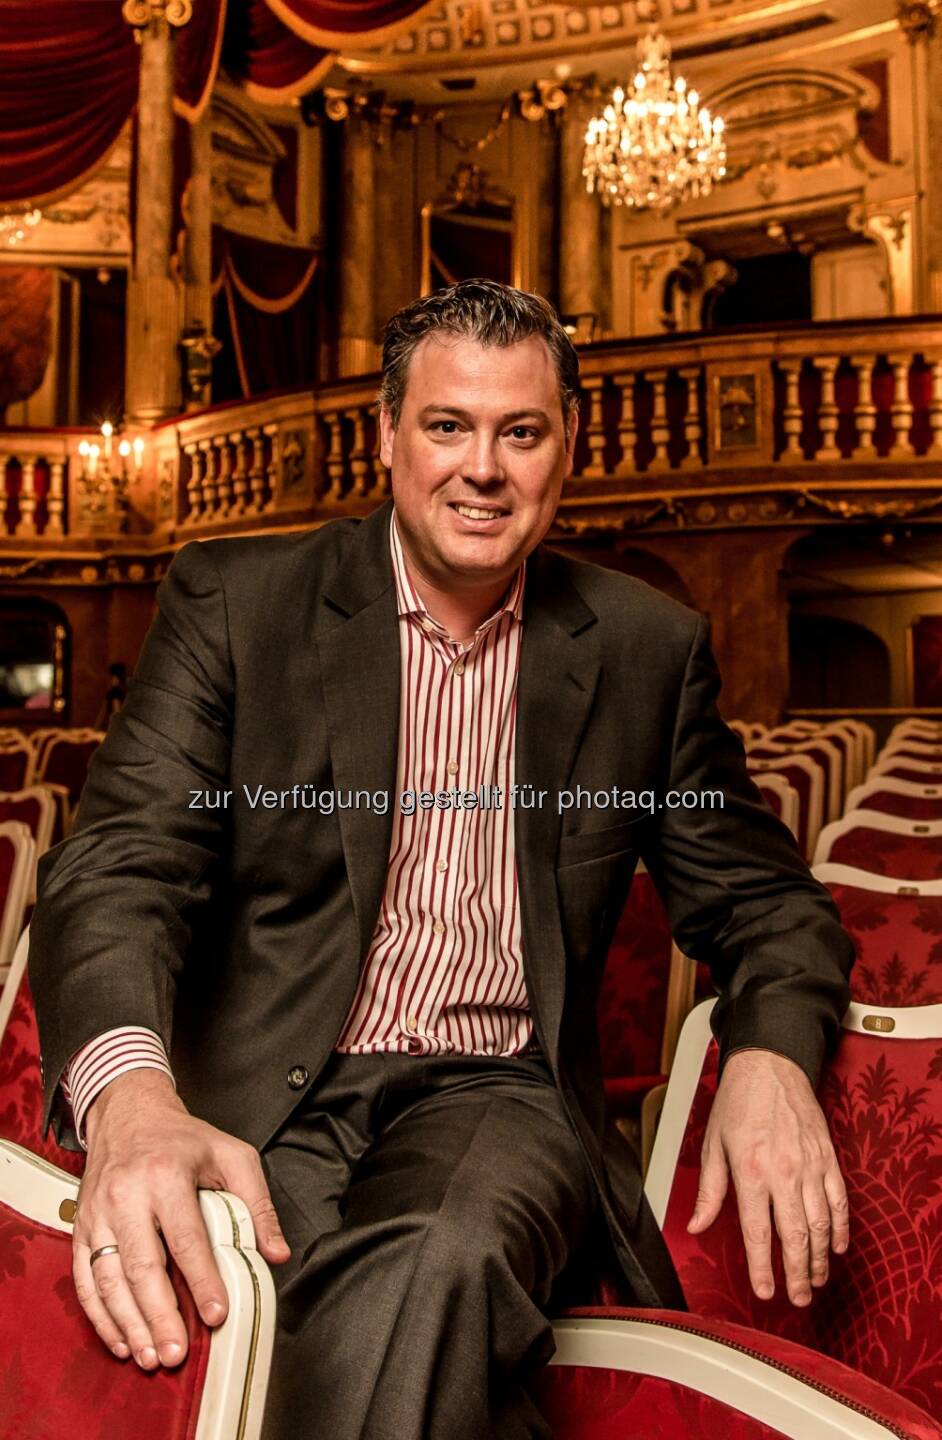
572	429
387	433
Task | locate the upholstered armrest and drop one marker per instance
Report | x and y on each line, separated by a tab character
666	1374
56	1375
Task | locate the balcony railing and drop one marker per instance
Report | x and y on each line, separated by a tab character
837	403
34	468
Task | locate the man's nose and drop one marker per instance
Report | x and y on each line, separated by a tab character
481	461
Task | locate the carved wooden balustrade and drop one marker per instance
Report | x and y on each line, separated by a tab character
673	430
836	393
34	469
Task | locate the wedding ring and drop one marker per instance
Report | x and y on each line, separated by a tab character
105	1250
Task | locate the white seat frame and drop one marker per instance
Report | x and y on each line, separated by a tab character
813	770
833	874
769	780
21	882
746	1382
891	784
871	820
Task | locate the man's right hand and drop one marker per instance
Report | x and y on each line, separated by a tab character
147	1156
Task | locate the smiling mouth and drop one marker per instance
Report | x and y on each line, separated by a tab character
478	512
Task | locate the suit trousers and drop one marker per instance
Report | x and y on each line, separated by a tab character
430	1204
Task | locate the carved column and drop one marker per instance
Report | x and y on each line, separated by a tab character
152	383
919	22
358	351
580	282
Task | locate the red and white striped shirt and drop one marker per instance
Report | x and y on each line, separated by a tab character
444	972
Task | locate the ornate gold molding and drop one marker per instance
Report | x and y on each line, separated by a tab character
917	18
143	14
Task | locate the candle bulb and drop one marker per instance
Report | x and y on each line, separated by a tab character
138	453
93	453
107	431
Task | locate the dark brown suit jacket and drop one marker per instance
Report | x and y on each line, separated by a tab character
237	935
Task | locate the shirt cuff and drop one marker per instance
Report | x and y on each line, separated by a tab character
114	1053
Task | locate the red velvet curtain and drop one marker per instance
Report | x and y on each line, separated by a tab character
198	48
266	58
265	315
333	22
68	81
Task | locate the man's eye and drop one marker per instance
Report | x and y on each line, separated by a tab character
440	425
523	432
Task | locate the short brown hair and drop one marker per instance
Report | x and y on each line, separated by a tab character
482	310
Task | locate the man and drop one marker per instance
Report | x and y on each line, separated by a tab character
394	1002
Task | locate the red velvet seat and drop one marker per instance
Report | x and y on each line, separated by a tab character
21	1091
893	796
632	1008
781	798
57	1380
896	928
805	776
916	771
17	763
883	844
17	870
825	753
880	1310
65	758
34	808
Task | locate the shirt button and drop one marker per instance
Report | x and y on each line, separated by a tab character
452	767
439	927
412	1023
441	864
459	668
298	1077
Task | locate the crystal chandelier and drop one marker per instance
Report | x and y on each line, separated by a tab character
14	224
655	145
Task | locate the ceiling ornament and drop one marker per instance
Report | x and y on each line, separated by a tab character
654	145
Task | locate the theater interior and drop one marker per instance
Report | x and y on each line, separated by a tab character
208	210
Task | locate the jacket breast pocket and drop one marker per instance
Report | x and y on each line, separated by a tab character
585	845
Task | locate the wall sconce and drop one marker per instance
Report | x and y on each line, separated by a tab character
106	479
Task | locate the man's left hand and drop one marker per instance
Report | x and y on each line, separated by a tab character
767	1128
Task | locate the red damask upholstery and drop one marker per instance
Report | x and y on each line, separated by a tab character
909	807
880	1310
633	998
906	857
16	763
21	1093
799	778
902	771
584	1402
898	940
43	1330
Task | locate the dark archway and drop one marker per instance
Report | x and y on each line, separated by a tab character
836	664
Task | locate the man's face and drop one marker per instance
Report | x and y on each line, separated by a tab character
479	457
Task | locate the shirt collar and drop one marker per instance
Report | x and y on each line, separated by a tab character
410	602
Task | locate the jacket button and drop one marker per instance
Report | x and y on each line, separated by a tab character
298	1077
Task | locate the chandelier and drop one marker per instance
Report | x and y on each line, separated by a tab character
14	224
654	145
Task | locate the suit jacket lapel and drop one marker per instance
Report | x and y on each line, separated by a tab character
559	673
358	643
